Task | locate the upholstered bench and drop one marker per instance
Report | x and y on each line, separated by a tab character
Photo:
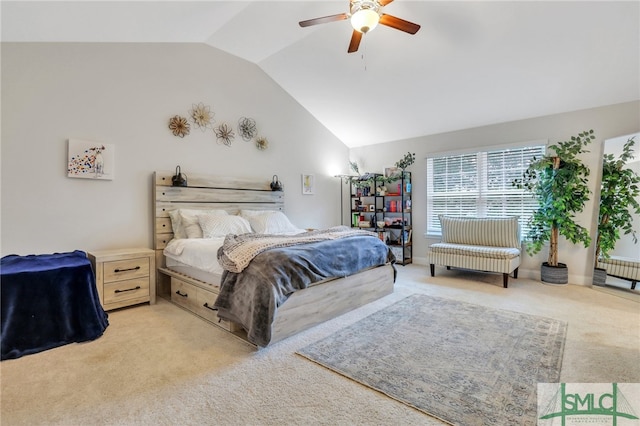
622	267
483	244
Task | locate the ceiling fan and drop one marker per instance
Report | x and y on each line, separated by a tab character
364	16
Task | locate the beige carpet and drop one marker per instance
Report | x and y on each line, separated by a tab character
160	365
460	362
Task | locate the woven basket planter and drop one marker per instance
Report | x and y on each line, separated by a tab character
554	274
599	277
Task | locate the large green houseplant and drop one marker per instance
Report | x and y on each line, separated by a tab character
558	181
619	194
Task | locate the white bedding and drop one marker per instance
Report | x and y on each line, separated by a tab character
202	253
199	253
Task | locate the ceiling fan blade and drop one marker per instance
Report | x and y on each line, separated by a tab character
384	2
399	24
324	20
355	41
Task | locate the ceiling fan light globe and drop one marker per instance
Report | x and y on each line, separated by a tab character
364	20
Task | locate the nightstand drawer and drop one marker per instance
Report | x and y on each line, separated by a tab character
127	290
119	270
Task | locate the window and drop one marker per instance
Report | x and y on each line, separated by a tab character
479	184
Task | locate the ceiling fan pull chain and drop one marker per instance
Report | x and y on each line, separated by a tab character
364	53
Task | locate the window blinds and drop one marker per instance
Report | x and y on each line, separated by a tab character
479	184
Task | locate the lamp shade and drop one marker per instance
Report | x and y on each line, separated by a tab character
364	20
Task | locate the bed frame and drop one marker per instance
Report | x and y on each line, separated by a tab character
303	309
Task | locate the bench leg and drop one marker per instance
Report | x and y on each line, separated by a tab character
505	280
448	268
432	267
515	273
633	285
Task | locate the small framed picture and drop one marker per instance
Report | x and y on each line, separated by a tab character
372	208
391	171
308	184
90	160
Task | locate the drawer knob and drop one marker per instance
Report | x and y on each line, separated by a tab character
181	294
125	270
128	289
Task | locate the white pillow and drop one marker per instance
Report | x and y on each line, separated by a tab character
189	226
271	222
214	226
247	213
176	224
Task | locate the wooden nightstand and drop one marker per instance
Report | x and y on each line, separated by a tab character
124	277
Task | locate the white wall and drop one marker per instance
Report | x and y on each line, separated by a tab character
607	122
124	94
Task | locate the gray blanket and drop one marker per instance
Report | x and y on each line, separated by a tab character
252	297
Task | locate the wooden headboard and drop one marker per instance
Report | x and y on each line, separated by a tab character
206	192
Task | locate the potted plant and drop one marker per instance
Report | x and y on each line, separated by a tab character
558	181
619	194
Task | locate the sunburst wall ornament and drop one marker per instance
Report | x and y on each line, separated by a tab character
262	143
179	126
202	116
224	134
247	128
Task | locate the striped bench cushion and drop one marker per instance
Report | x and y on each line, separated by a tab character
621	267
483	231
478	251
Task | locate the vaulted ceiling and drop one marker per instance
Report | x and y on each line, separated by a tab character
472	63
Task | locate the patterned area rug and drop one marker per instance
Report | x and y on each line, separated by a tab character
462	363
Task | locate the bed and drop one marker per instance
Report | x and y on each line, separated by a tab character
201	286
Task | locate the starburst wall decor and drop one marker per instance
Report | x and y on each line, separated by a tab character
262	143
179	126
224	134
202	116
247	128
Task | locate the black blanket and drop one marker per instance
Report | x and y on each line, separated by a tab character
251	297
48	300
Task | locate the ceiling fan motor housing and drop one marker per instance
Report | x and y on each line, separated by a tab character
365	14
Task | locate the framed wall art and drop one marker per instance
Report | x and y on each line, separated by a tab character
308	184
90	160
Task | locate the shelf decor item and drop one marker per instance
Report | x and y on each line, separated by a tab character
406	161
558	181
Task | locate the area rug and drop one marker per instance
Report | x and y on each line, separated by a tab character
462	363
